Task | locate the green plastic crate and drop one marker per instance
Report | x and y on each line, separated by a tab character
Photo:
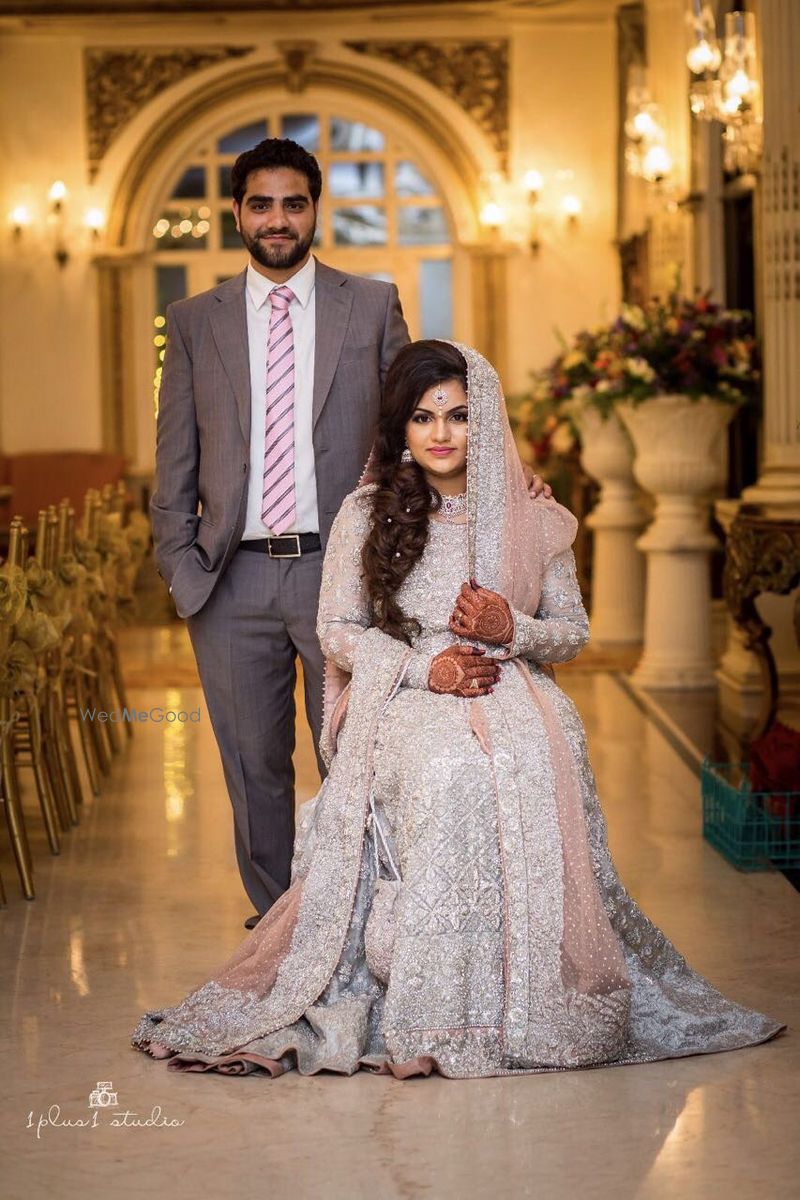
754	830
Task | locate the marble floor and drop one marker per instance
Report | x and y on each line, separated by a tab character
145	899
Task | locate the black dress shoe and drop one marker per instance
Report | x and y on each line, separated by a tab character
251	922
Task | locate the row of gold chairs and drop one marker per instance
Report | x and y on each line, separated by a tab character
64	592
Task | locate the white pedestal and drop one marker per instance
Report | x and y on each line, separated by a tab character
617	614
675	441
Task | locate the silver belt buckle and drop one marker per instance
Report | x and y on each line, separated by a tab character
283	537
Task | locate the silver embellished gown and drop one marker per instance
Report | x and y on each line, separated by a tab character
453	906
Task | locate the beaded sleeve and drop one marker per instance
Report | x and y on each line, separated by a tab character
560	628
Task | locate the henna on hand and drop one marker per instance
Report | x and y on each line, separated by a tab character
482	615
463	671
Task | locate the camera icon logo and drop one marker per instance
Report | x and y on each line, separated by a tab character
103	1096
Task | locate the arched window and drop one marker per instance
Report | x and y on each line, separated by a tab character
380	216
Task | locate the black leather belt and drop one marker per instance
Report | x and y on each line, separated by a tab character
289	545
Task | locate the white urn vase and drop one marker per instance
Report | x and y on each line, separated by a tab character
675	441
617	614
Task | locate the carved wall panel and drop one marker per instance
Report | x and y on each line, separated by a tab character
119	82
473	73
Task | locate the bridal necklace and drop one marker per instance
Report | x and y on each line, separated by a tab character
453	507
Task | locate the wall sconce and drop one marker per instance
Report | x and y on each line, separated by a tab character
656	163
56	219
58	225
725	86
533	184
523	209
19	218
572	207
493	216
94	219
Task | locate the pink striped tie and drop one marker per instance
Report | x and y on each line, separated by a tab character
278	494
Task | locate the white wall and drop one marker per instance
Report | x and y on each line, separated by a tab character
49	370
564	119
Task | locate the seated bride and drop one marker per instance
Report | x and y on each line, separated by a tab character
453	905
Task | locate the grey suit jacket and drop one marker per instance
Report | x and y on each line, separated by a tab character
203	436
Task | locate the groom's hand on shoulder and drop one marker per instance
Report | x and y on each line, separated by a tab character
536	485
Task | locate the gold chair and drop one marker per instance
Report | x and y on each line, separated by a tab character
78	566
60	610
121	564
67	572
13	605
104	614
37	631
58	750
18	677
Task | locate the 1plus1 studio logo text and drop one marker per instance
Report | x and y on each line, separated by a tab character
107	1113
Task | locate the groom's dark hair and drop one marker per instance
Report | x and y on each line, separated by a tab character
270	154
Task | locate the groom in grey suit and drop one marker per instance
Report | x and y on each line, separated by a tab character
240	520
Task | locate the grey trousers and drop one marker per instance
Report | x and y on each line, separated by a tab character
246	638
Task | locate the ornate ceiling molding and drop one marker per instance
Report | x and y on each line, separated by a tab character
473	73
118	83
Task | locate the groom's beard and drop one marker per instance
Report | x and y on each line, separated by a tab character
280	257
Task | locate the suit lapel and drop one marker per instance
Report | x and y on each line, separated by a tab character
332	307
229	328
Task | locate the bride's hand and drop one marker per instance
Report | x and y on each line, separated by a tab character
482	615
463	671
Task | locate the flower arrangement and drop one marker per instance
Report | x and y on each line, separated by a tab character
678	345
689	347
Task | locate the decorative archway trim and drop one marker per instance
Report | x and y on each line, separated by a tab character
474	73
353	79
119	82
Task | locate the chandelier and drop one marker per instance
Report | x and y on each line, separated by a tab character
646	153
725	85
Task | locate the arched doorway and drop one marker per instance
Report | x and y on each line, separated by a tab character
380	214
372	137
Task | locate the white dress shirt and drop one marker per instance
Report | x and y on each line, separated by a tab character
302	314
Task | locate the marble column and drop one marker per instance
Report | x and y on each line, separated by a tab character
116	302
779	246
778	249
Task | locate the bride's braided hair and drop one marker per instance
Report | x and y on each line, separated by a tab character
402	503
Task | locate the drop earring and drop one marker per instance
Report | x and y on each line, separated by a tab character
406	456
